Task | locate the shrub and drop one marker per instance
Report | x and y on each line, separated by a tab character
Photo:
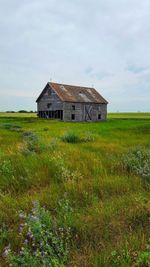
43	241
138	162
70	137
33	143
11	127
29	135
63	174
6	168
88	137
45	129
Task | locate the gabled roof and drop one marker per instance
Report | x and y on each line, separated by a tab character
72	93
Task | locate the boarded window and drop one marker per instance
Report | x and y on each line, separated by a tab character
99	116
73	117
73	107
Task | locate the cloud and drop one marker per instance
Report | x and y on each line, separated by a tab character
136	69
105	43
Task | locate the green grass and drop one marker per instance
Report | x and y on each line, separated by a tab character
110	204
18	114
131	115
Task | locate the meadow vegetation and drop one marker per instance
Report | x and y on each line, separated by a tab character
74	194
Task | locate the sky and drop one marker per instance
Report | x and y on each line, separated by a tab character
99	43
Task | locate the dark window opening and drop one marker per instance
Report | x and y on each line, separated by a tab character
99	116
48	105
52	114
73	107
73	117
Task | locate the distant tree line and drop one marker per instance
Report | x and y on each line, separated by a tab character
20	111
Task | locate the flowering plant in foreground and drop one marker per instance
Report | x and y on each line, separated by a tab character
138	162
63	174
44	241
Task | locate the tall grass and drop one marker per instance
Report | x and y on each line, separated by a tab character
70	137
90	165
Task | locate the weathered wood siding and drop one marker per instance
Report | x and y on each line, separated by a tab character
103	110
68	111
49	97
84	111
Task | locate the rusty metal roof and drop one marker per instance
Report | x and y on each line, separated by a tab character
72	93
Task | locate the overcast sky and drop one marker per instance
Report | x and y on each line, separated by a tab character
100	43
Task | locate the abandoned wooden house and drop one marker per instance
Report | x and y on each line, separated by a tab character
71	103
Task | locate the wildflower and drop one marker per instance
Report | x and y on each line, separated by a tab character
6	251
21	216
20	229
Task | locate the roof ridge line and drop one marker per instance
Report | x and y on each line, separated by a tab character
71	85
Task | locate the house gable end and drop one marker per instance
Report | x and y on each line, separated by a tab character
49	100
47	92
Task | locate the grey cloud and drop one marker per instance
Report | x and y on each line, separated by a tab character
105	43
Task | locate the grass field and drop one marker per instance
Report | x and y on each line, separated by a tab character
117	115
17	114
91	178
129	115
